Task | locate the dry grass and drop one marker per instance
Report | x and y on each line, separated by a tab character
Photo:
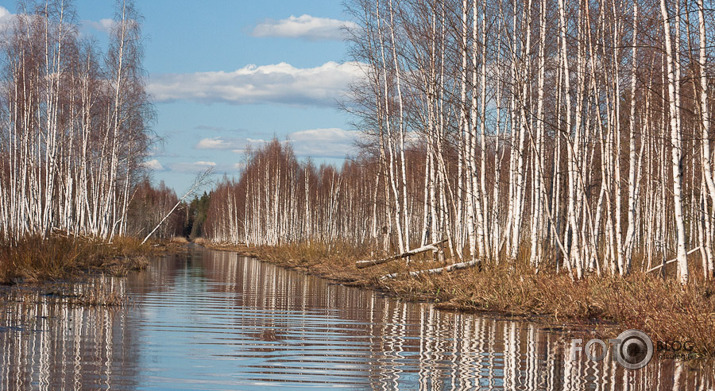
179	240
201	241
662	308
34	259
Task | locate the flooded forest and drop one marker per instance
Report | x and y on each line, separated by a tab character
543	169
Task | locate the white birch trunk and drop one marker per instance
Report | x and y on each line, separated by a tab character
676	141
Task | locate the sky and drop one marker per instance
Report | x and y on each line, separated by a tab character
226	74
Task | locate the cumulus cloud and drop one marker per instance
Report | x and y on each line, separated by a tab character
236	145
304	26
214	143
153	165
6	18
4	13
103	25
331	142
194	167
278	83
317	143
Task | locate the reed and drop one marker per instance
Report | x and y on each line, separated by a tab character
60	257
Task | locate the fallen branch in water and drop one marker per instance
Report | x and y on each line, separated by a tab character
456	266
409	253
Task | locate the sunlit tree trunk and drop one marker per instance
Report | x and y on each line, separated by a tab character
673	67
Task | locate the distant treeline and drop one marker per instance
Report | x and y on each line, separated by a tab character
280	200
150	204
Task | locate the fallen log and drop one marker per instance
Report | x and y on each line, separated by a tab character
672	260
456	266
409	253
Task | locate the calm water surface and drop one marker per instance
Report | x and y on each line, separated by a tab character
213	320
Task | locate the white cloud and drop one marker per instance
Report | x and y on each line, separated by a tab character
4	13
317	143
214	143
6	18
103	25
331	142
194	167
304	26
236	145
256	140
153	165
278	83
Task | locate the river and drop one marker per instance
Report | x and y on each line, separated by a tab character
213	320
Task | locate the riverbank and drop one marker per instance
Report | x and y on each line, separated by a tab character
34	260
663	309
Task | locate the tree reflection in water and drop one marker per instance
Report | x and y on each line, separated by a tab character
212	320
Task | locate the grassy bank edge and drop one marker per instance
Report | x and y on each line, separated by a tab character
605	305
34	260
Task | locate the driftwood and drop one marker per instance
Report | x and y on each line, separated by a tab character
409	253
672	260
456	266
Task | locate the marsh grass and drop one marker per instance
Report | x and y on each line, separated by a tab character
178	240
34	259
661	307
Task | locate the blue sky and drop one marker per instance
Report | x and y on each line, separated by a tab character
226	74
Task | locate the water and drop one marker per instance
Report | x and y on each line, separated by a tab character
213	320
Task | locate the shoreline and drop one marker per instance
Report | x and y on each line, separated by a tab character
36	270
61	258
320	270
601	306
598	306
337	277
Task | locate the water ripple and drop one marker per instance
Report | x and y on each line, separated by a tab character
213	320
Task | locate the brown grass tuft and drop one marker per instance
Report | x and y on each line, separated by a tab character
179	240
34	259
201	241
